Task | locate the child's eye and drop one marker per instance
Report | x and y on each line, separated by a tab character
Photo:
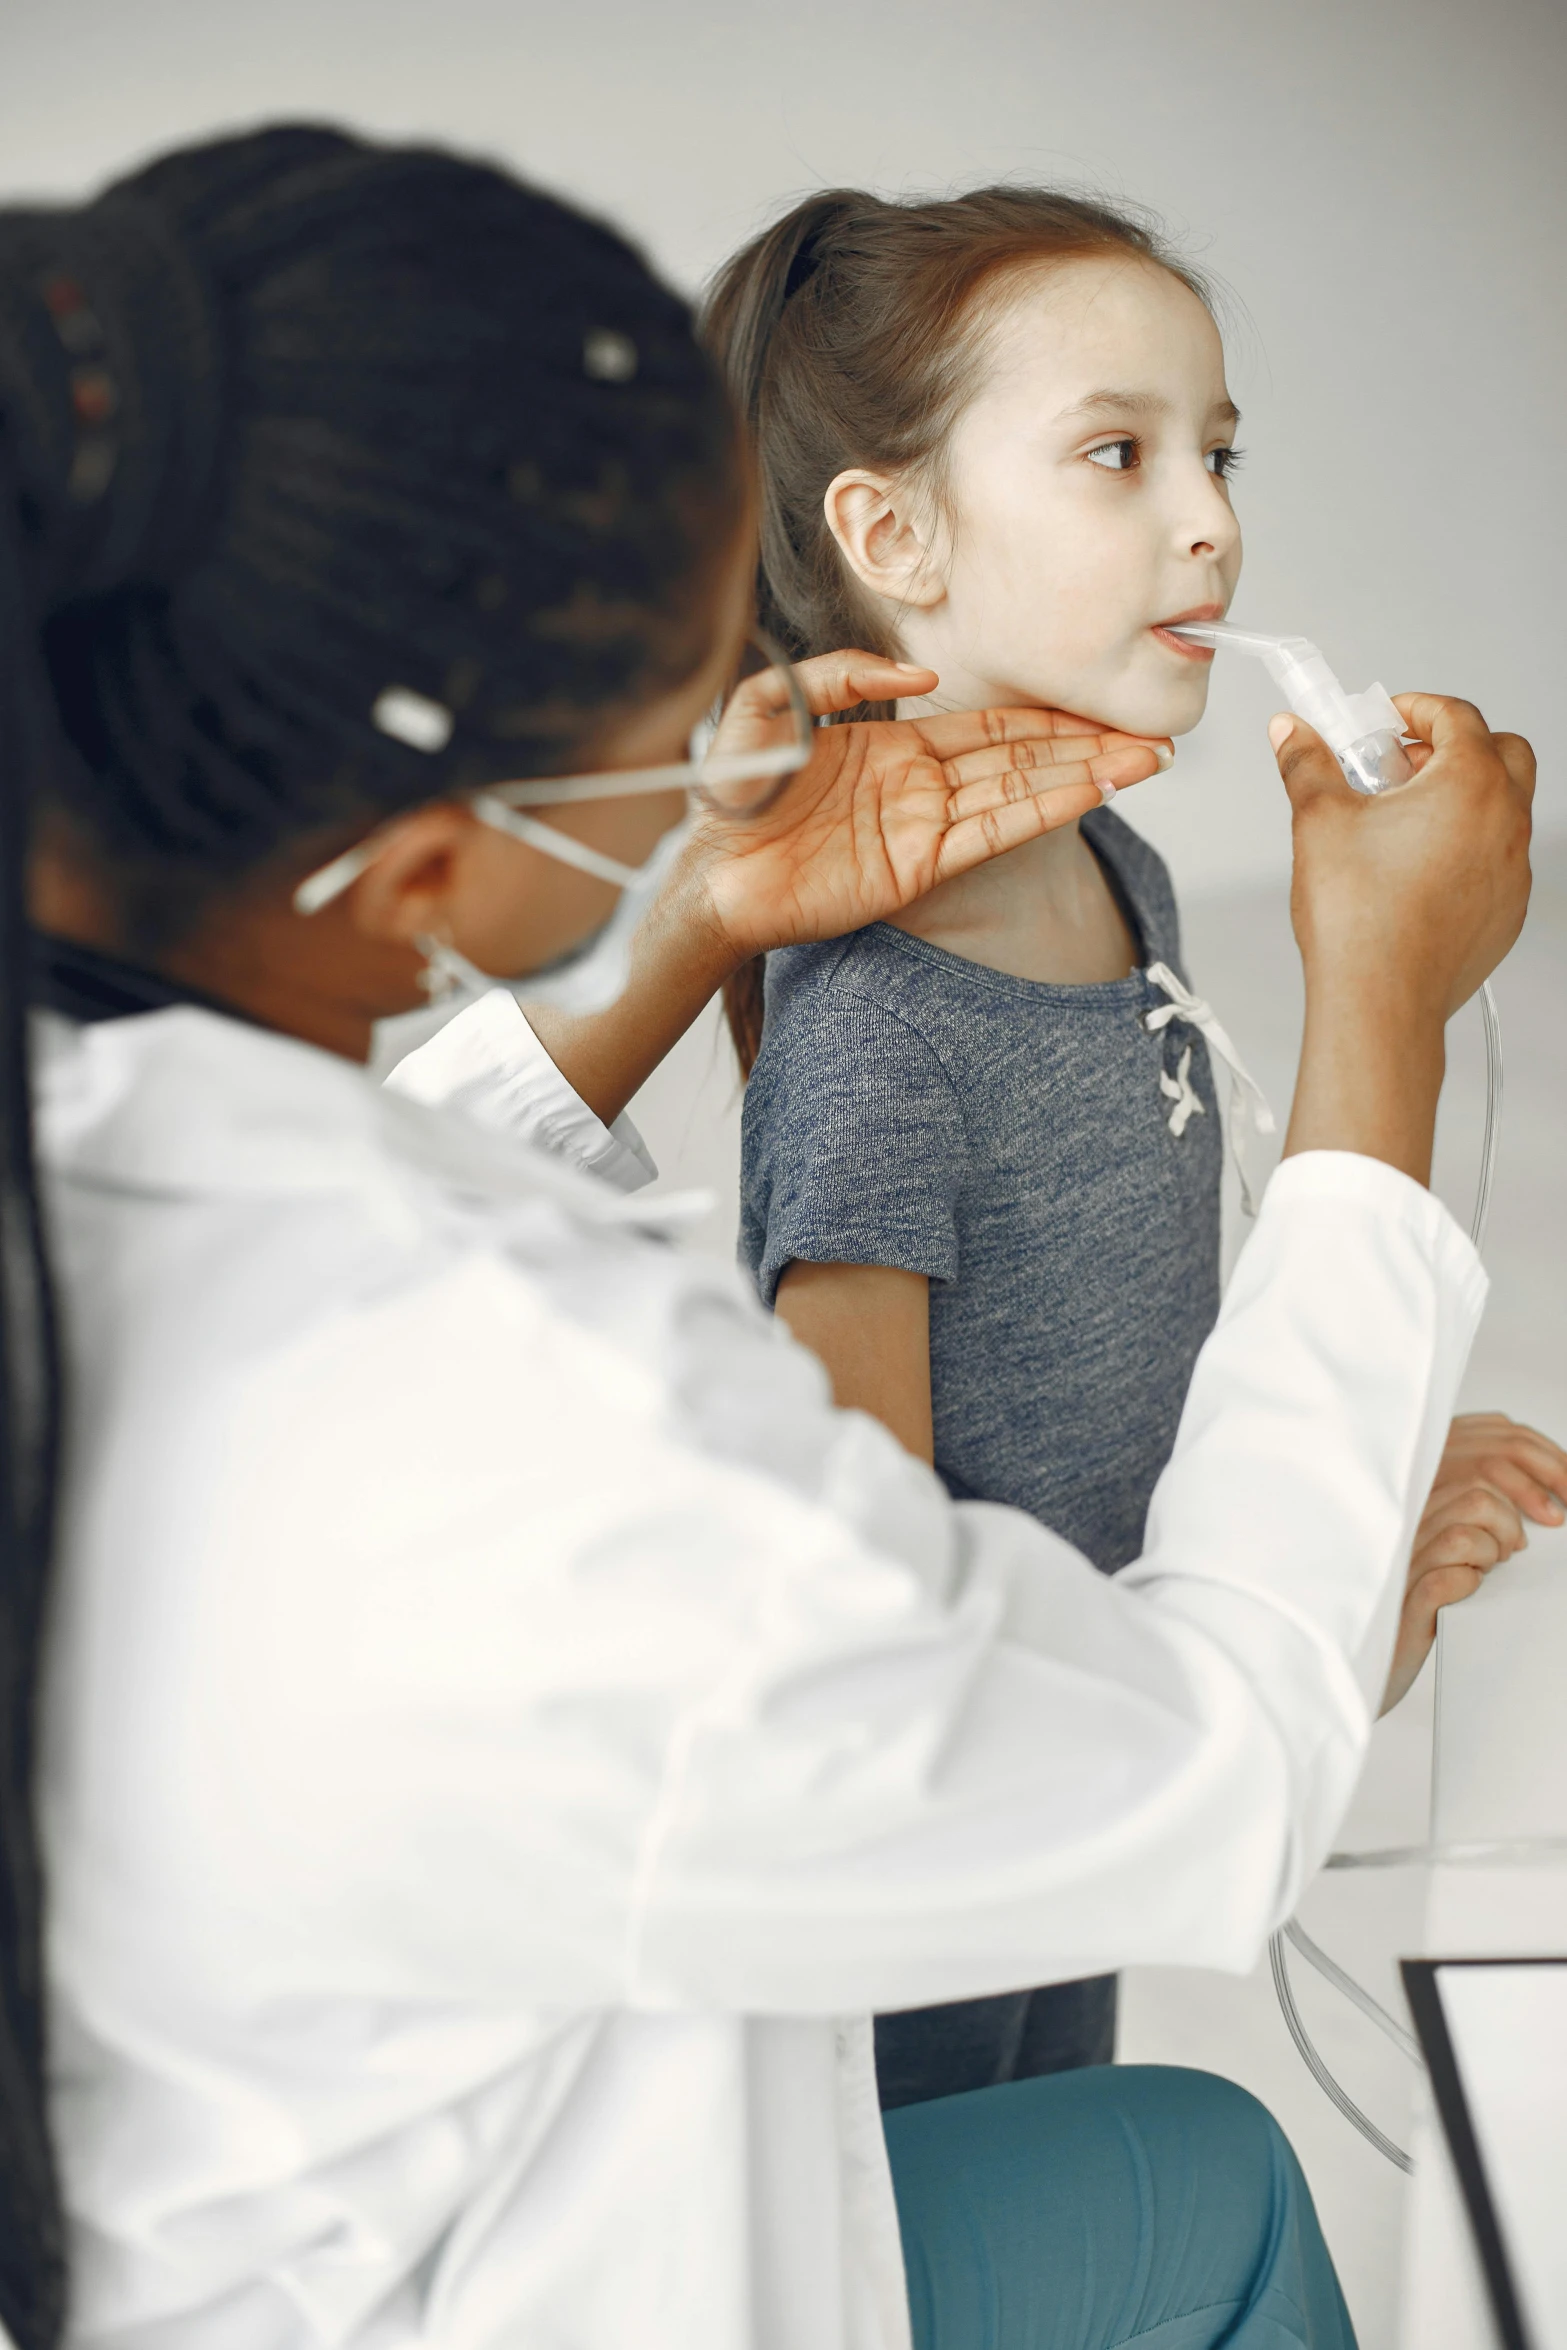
1114	456
1224	462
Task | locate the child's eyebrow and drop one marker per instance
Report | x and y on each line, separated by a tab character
1138	404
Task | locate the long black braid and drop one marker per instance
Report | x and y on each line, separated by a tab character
286	421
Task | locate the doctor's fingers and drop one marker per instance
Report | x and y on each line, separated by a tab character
955	733
1010	785
1004	823
1451	726
836	681
1060	753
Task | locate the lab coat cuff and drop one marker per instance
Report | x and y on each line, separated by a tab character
1347	1176
488	1063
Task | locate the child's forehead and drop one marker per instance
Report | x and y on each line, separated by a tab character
1066	331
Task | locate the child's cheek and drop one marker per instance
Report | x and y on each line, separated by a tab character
1089	624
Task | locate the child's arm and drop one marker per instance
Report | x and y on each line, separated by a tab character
1494	1474
869	1325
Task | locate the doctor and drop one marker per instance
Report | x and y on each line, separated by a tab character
500	1732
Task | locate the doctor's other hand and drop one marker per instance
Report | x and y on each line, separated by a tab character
1426	885
1402	905
1494	1473
887	808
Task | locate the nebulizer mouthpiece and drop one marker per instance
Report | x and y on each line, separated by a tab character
1363	731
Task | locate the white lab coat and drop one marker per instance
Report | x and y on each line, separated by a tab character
504	1731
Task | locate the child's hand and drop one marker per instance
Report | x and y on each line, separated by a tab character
1494	1474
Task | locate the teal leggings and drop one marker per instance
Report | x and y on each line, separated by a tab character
1123	2205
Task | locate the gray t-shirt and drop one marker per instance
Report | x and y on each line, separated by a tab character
1011	1140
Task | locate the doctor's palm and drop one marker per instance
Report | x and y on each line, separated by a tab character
888	808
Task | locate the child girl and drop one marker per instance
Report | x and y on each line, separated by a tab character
982	1150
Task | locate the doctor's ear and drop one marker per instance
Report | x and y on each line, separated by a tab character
884	533
406	891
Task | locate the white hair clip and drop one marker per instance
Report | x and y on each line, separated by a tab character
412	719
608	356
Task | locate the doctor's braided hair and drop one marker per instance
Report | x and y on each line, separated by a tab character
286	421
852	333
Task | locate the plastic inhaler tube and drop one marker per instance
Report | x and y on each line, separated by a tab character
1363	731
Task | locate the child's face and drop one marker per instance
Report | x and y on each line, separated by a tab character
1086	502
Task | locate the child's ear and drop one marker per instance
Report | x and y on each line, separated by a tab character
883	535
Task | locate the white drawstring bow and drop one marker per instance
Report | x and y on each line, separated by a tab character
1248	1105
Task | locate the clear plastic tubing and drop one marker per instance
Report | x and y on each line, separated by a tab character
1364	731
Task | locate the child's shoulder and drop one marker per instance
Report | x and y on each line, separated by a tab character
860	1005
871	969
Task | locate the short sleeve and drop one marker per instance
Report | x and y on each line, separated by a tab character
853	1146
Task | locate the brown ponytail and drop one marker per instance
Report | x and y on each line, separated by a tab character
743	1009
847	334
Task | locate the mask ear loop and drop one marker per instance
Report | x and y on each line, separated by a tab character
319	889
447	969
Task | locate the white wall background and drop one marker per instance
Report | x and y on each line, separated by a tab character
1381	182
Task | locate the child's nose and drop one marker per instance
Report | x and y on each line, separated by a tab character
1208	526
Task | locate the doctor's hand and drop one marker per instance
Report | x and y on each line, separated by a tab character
888	808
1402	905
880	814
1494	1473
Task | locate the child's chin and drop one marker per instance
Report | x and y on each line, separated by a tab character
1131	704
1142	718
1170	710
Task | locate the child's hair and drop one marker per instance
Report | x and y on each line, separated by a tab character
851	333
287	420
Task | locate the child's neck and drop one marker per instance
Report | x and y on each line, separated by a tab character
1044	911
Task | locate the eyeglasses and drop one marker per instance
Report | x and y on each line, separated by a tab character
741	757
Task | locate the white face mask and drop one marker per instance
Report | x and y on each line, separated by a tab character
591	976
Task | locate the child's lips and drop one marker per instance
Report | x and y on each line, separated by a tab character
1180	644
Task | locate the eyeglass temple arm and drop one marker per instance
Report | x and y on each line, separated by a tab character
629	782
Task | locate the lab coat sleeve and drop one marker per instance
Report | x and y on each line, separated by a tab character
1106	1771
621	1669
487	1063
